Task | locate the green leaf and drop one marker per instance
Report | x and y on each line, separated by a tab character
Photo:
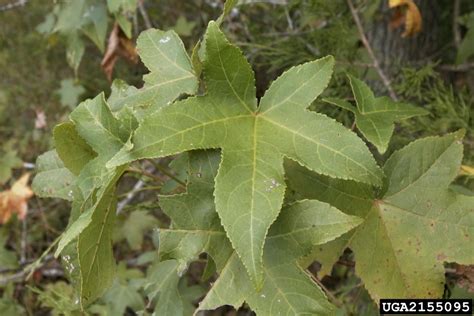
228	6
351	197
92	183
125	24
287	288
52	178
73	150
123	9
250	182
95	124
375	117
70	16
8	258
8	160
195	229
59	297
466	49
171	74
120	296
69	93
94	246
47	26
134	227
183	27
96	129
171	293
94	24
196	226
418	224
74	51
115	6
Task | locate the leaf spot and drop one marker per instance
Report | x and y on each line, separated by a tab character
165	40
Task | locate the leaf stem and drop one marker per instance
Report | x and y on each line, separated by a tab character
166	172
369	49
333	299
154	187
146	174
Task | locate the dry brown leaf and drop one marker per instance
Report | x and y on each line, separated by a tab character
118	46
466	277
411	16
15	200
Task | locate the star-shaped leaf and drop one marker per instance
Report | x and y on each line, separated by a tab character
375	117
195	229
171	74
69	92
416	226
196	226
134	227
95	124
172	294
287	288
254	139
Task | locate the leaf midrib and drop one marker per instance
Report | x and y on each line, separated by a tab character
319	144
426	218
192	128
164	55
96	245
392	194
227	77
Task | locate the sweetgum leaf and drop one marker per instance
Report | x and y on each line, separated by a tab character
95	124
195	229
250	182
375	117
353	198
416	226
69	92
196	226
134	227
287	288
171	73
95	134
53	179
95	253
73	150
164	287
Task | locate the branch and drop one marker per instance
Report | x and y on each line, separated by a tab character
28	270
457	35
144	14
13	5
121	205
457	68
367	46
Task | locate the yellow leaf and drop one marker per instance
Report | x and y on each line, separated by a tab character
413	19
467	170
15	200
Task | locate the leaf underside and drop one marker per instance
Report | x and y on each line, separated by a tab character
253	140
97	130
413	229
375	117
195	229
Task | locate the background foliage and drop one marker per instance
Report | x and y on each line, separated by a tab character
43	79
